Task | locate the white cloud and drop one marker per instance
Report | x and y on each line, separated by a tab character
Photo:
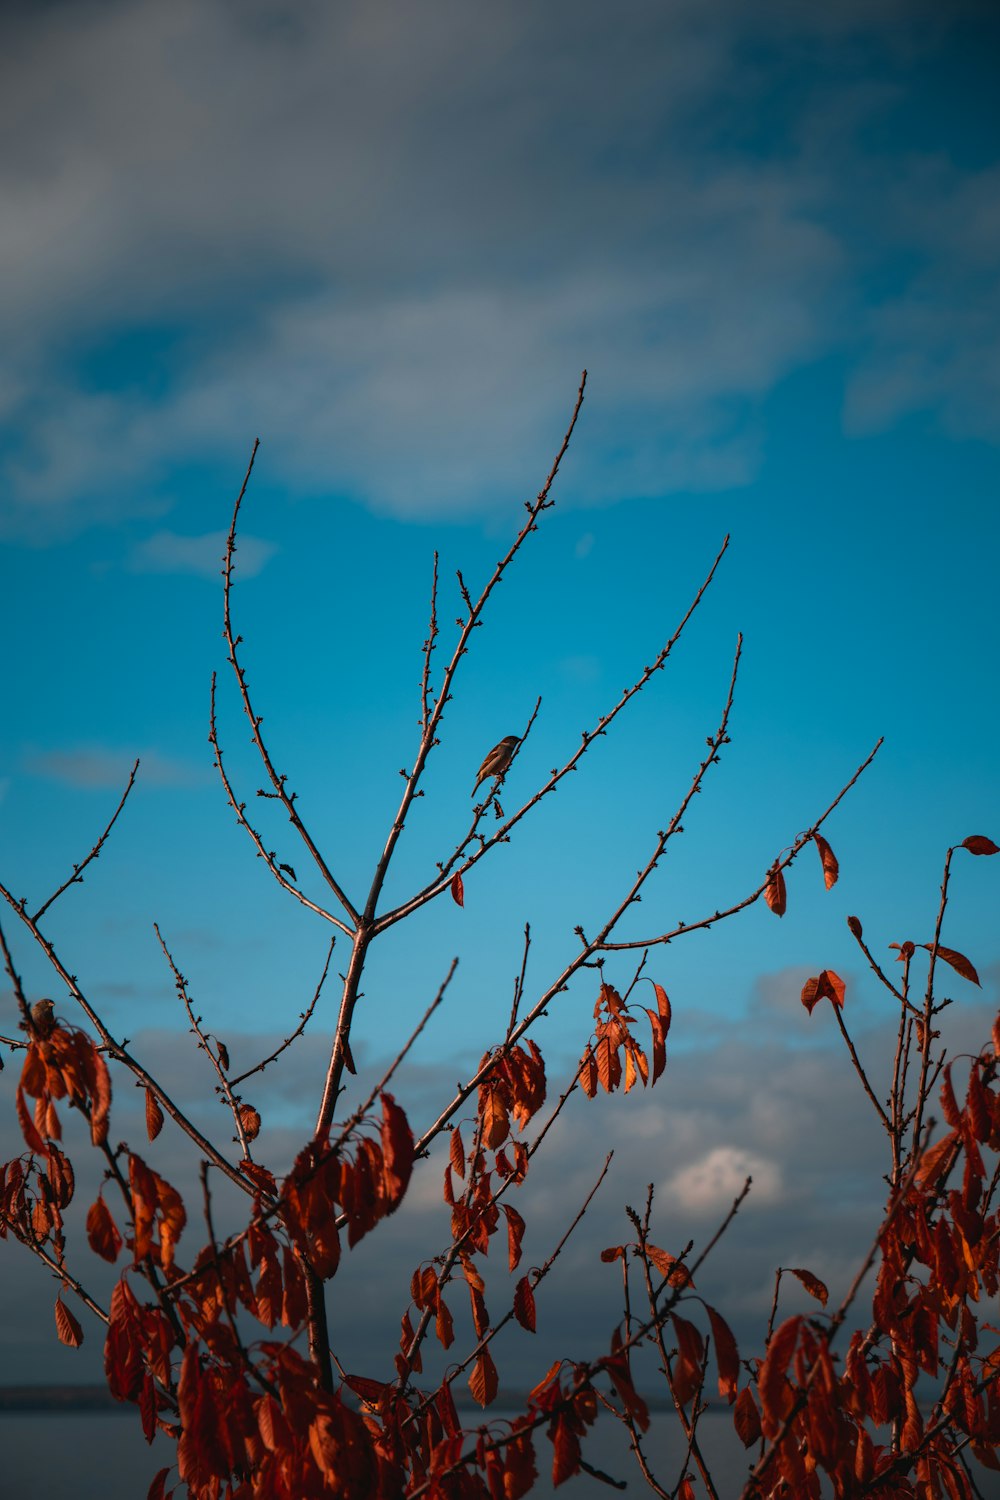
169	552
710	1184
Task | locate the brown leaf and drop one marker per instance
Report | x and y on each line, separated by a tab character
831	869
727	1355
458	890
855	927
457	1153
524	1304
102	1231
483	1381
826	986
250	1121
154	1115
746	1418
958	961
515	1233
812	1284
675	1271
774	891
67	1327
978	843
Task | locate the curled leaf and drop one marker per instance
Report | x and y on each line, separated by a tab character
774	891
250	1121
67	1327
812	1284
855	927
458	890
831	868
826	986
154	1115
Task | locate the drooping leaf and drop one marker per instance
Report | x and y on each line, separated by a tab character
831	868
978	843
746	1418
958	961
483	1382
727	1356
774	891
812	1284
524	1304
515	1234
102	1231
250	1121
67	1327
458	889
154	1115
457	1152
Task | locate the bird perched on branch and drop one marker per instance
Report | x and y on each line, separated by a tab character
498	760
43	1018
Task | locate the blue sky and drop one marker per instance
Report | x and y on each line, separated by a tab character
386	241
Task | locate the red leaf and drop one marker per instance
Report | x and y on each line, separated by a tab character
397	1151
662	1005
515	1234
826	986
28	1130
831	869
934	1160
772	1373
457	1153
458	890
774	891
812	1284
67	1327
154	1115
156	1489
726	1355
958	961
746	1418
613	1253
483	1381
524	1304
978	843
102	1231
669	1266
565	1452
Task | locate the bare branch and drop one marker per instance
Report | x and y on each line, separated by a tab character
77	875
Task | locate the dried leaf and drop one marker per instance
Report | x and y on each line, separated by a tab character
223	1055
524	1304
154	1115
831	868
102	1231
826	986
483	1382
67	1327
978	843
812	1284
727	1356
250	1121
746	1418
855	927
774	891
958	961
458	890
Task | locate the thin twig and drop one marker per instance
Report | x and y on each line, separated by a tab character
77	875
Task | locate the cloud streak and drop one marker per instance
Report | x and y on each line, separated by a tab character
394	272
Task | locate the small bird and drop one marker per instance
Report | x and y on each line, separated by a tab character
43	1018
498	760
